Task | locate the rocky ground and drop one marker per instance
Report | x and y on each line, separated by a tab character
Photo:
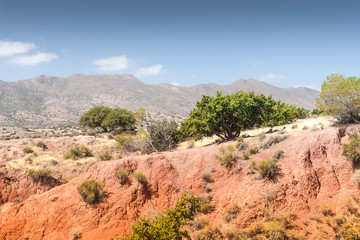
313	173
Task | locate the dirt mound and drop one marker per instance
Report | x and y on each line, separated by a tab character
313	172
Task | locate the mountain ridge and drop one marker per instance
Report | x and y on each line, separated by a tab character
51	100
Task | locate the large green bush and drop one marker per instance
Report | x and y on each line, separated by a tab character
94	117
91	191
340	98
227	115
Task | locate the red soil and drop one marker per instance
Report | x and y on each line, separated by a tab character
313	172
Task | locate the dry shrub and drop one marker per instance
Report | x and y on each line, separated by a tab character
122	175
226	156
78	152
91	191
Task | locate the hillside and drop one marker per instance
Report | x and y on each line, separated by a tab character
322	177
50	100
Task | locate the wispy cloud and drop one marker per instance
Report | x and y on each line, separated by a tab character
272	76
112	64
312	86
149	71
11	48
33	59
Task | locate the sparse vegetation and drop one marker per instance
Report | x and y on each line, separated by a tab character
122	175
91	191
74	234
77	152
254	150
226	156
140	177
274	140
18	200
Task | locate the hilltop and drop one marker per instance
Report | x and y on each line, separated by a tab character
51	100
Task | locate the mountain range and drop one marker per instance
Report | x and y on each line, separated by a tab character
50	100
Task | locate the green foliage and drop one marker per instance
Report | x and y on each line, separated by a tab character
268	169
27	149
94	117
122	175
105	155
226	116
351	150
41	175
91	191
78	152
140	177
226	156
170	225
340	98
119	119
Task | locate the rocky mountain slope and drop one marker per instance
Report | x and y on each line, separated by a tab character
50	100
313	173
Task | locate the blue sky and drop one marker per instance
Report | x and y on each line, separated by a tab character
285	43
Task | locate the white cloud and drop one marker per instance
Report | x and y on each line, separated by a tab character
11	48
272	76
112	64
175	84
149	71
33	59
312	86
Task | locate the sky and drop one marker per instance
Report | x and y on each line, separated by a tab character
285	43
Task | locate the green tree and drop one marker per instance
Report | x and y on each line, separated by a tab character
340	98
162	135
94	117
119	118
227	115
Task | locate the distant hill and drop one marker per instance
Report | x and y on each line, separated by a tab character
50	100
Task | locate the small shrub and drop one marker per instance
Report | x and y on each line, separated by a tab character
274	140
268	169
254	150
326	210
262	136
294	126
191	144
78	152
18	200
246	156
74	233
122	175
305	127
278	155
41	175
211	232
232	209
252	167
241	146
27	149
226	156
356	176
352	149
207	177
105	155
140	177
41	144
91	191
